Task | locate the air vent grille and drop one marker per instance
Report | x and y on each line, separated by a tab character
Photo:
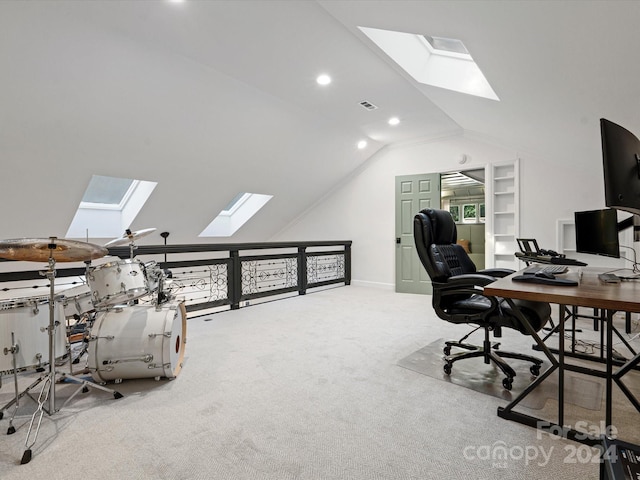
367	105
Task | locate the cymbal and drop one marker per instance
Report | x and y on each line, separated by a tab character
41	249
130	237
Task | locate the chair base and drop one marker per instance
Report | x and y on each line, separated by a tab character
489	351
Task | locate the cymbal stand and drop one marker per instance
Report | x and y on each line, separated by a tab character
48	392
47	389
132	247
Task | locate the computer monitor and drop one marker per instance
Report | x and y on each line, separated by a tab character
621	162
597	232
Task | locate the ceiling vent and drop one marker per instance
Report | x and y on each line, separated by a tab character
368	106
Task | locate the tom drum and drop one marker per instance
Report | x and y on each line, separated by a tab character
28	320
77	301
138	342
117	282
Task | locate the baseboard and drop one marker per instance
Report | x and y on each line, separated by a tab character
365	283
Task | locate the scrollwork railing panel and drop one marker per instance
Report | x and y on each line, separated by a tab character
201	284
260	276
323	268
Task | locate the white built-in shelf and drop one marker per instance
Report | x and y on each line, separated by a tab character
503	218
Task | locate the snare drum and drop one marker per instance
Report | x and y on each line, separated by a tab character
117	282
138	342
28	320
77	301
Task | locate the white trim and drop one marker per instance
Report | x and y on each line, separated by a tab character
365	283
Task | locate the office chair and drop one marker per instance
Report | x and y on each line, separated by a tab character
458	298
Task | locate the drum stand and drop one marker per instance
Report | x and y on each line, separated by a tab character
47	394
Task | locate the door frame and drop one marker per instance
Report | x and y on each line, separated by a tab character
488	200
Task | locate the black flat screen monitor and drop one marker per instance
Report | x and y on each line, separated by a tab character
597	232
621	162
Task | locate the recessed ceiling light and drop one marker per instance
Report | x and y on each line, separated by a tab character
323	79
394	121
176	1
362	144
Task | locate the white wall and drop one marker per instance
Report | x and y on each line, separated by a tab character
362	208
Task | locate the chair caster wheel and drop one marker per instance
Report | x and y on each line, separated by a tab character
447	368
507	383
535	370
447	350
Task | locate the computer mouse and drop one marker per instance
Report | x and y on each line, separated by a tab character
545	275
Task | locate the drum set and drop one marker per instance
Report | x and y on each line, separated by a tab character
129	324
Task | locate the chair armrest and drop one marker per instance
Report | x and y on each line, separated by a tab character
460	287
469	280
497	272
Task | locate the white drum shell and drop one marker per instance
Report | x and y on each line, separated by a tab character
28	319
138	342
77	301
117	282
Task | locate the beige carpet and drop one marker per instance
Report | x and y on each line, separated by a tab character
307	387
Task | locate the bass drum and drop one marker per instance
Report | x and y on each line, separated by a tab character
28	320
138	342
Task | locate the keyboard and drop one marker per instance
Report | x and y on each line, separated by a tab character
552	269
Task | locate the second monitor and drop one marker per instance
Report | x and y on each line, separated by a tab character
597	232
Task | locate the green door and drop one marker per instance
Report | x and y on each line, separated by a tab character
413	193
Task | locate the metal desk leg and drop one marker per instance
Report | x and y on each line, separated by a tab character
609	376
561	369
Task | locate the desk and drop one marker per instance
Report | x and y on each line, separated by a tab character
591	293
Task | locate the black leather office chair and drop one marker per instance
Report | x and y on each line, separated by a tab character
458	297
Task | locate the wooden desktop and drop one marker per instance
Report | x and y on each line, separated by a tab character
590	292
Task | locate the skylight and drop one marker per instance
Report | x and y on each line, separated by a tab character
436	61
109	206
237	212
447	45
107	191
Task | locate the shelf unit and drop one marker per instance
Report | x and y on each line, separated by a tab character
503	214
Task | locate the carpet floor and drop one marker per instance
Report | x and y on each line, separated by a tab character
307	387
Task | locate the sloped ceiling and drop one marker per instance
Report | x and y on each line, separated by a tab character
211	98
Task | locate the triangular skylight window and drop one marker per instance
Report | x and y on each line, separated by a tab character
109	206
436	61
239	210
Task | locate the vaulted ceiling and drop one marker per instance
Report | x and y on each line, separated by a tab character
213	98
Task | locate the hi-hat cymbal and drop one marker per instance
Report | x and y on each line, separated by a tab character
41	249
130	237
